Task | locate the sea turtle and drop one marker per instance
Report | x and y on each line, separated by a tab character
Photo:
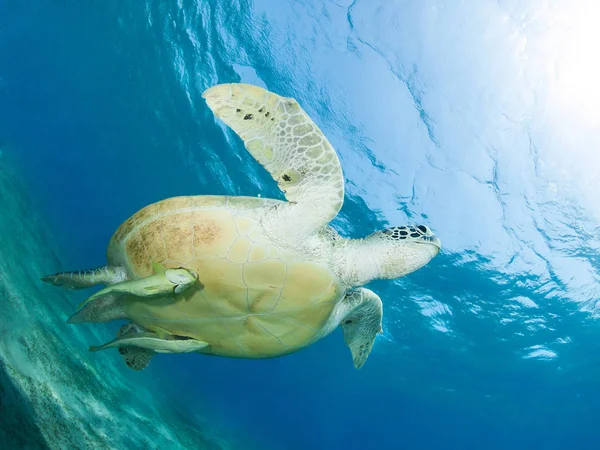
243	276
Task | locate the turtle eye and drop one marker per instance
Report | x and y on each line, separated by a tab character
423	229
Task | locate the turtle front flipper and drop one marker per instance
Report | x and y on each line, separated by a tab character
285	140
362	312
163	282
86	278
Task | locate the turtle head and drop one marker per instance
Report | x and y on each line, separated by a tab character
415	234
391	253
406	249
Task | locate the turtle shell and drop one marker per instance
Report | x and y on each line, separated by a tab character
255	299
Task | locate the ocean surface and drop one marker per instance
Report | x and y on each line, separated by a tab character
478	118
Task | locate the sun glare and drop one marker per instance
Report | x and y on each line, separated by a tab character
578	62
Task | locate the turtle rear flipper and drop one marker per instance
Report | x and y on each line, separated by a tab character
87	278
136	358
102	309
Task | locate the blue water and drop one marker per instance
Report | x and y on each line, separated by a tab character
477	118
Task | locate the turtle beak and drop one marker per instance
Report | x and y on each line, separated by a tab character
434	243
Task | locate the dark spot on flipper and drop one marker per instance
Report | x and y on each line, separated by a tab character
238	110
272	119
286	177
122	351
261	110
267	114
248	117
347	322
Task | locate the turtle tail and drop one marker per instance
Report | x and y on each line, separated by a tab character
87	278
